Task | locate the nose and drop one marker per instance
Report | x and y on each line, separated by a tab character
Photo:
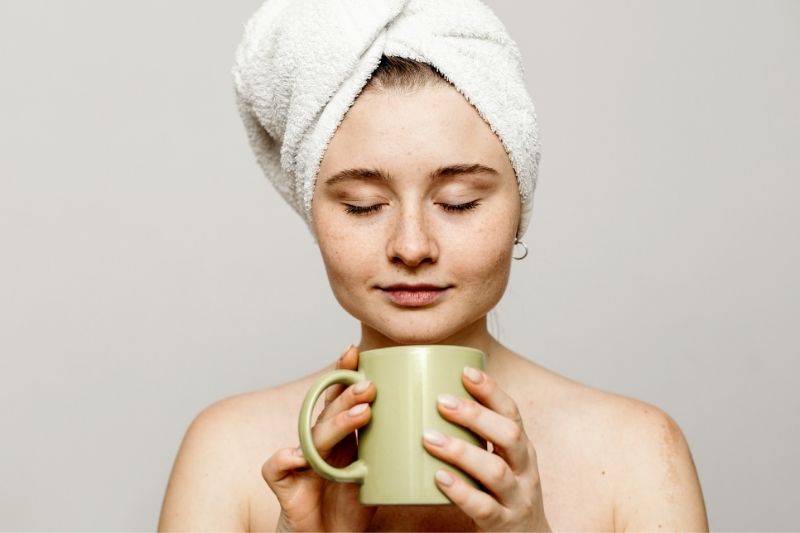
411	241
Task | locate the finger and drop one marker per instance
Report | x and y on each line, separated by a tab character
349	359
335	390
280	465
361	392
488	392
327	433
495	417
508	438
487	468
476	504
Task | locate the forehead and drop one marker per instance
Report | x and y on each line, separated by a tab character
424	128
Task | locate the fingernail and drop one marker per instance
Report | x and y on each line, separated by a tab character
357	409
473	374
444	478
448	401
361	387
434	437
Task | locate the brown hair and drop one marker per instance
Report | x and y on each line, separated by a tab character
395	72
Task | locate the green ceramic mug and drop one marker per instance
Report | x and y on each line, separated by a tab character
393	467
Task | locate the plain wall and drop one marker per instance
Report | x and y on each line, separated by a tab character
149	269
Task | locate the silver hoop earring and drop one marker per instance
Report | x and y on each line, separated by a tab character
524	255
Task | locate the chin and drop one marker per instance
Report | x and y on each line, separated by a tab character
408	332
409	338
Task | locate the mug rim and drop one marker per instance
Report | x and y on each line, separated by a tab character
421	347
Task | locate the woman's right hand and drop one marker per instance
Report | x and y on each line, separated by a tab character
308	501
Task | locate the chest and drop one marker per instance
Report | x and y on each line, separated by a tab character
420	518
568	508
576	467
570	505
576	488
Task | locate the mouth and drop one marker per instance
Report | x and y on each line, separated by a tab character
418	295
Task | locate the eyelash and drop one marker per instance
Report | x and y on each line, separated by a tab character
358	210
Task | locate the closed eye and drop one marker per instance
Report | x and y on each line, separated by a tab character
359	210
461	207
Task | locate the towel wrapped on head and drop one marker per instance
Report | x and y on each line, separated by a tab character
302	63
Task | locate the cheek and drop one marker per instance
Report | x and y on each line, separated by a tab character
488	264
484	262
346	255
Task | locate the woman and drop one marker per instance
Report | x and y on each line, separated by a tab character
416	206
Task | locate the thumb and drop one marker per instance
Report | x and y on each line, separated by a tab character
278	470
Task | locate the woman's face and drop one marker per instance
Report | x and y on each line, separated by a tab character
389	210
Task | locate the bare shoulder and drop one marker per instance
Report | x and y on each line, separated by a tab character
218	465
615	445
659	488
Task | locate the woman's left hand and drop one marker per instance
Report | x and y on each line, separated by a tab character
509	471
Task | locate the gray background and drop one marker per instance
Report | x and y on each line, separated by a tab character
148	268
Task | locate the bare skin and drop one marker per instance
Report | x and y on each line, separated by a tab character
602	458
566	456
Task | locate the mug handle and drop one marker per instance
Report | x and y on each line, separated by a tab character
356	471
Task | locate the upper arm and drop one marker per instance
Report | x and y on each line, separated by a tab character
204	491
660	490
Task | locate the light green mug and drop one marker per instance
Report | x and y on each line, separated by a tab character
393	467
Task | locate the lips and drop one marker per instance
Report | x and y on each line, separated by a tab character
418	295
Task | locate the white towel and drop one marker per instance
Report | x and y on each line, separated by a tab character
301	64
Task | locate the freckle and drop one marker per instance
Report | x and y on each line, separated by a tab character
659	525
603	472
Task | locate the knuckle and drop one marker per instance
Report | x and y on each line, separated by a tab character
515	434
511	437
266	476
456	447
534	482
490	385
484	513
527	508
272	465
497	472
470	408
320	435
516	416
266	469
531	451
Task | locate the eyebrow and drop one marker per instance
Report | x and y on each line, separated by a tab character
376	175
